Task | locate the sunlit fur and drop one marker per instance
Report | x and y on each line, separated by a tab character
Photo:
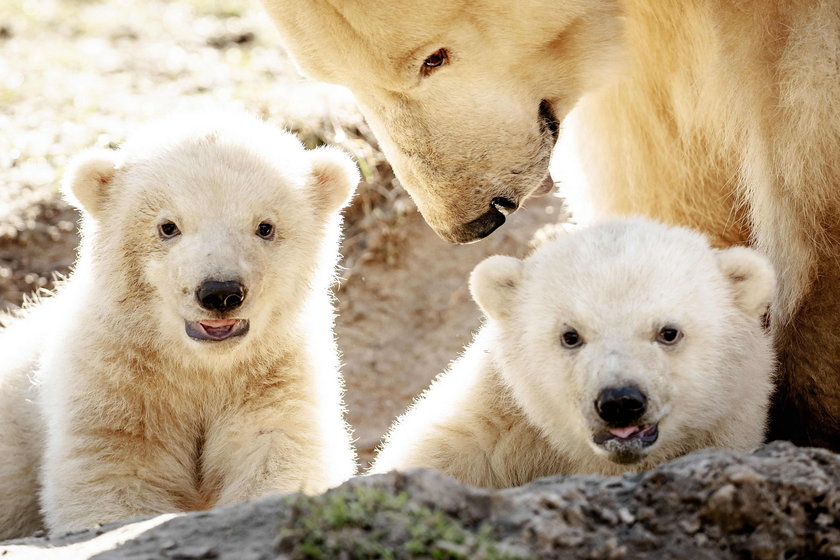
715	114
469	131
137	417
519	405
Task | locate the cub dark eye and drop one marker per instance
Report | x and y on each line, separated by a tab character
168	230
571	339
668	336
265	230
435	60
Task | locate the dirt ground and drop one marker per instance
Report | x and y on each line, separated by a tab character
81	73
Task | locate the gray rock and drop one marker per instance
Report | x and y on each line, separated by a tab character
779	502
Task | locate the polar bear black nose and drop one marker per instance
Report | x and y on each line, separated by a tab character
484	225
220	296
621	406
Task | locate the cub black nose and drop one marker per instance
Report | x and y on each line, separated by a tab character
621	406
220	296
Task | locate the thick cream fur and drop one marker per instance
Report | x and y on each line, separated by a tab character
518	405
493	283
469	131
88	178
714	114
138	417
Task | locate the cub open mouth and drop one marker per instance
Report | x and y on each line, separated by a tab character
630	435
216	329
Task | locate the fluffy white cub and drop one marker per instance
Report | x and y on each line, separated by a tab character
189	361
607	350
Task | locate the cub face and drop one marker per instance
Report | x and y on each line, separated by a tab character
211	227
630	339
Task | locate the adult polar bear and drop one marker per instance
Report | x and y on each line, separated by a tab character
720	115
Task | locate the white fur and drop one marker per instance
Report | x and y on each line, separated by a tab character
518	405
714	114
139	417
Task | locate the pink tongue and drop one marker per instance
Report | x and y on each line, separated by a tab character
217	323
624	433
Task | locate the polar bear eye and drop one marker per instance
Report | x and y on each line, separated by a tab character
571	339
435	60
669	336
266	230
168	230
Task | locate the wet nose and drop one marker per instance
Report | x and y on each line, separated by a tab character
621	406
484	225
215	295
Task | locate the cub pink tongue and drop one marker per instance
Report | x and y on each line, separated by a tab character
218	323
624	433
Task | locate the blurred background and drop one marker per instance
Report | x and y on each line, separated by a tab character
76	74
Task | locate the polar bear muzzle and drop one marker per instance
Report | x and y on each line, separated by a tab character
484	225
220	296
623	409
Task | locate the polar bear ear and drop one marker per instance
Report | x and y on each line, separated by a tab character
493	284
751	277
88	179
334	179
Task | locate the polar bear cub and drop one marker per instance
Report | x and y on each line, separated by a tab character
189	360
610	349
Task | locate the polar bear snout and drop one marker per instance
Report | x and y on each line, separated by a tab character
220	295
621	406
628	435
484	225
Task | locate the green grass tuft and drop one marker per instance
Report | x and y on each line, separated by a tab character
364	522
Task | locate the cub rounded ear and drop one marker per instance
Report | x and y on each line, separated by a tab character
751	278
493	284
334	178
88	179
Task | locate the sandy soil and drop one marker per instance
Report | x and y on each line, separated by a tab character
76	74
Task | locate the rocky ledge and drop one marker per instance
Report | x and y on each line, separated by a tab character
779	502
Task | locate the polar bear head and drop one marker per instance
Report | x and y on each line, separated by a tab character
633	340
464	97
209	230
